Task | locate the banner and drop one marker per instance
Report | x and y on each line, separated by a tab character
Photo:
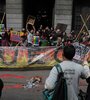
15	37
81	50
23	57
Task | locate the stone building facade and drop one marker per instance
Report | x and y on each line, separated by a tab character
14	13
64	11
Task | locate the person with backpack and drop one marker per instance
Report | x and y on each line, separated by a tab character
72	73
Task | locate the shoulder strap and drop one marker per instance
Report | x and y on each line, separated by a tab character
58	67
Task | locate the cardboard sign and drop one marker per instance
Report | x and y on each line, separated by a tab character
15	38
81	50
31	20
61	26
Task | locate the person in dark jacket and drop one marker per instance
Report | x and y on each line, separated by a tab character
88	89
1	87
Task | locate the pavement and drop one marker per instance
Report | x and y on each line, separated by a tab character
15	82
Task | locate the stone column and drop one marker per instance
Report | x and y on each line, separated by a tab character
63	13
14	16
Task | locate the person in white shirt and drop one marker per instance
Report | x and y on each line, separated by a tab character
72	73
30	38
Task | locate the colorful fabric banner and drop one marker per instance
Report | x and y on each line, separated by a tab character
22	57
36	40
15	37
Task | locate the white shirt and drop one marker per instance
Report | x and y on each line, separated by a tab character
72	73
29	38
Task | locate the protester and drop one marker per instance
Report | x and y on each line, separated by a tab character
59	41
5	38
47	35
30	35
72	72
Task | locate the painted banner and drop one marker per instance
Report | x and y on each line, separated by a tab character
23	57
15	37
81	50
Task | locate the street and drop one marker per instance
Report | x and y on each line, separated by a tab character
15	82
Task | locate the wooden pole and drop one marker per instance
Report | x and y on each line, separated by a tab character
82	27
3	18
85	24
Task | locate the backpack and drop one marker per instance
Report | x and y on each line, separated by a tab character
60	90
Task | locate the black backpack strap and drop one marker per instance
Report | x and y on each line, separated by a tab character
59	69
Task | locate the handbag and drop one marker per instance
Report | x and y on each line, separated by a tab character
48	94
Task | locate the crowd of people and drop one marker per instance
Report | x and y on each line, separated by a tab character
43	37
55	37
